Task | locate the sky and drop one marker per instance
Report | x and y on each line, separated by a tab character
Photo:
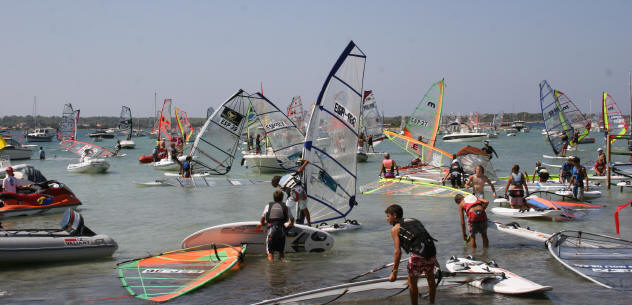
100	55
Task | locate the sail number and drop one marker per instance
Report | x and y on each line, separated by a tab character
230	126
419	122
347	115
275	125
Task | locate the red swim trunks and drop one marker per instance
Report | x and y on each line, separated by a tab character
418	265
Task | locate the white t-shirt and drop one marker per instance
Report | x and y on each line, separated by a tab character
289	211
9	184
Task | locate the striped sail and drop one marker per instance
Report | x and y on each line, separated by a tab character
555	122
125	120
282	133
371	121
68	126
164	123
215	145
332	138
296	113
425	119
184	126
574	116
612	119
429	155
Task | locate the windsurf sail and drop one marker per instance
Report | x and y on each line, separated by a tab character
574	116
216	143
426	118
296	113
402	186
169	275
68	126
125	120
184	126
79	147
370	121
164	123
428	155
622	169
209	111
616	215
604	260
283	135
470	157
555	121
612	119
206	181
332	139
497	121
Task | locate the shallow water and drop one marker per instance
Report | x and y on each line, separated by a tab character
152	220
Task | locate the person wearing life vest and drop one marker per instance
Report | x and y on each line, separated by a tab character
292	185
517	189
389	167
186	168
276	216
489	150
409	234
600	164
566	170
455	174
473	209
577	180
541	172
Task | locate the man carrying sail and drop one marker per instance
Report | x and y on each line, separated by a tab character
389	167
296	195
275	215
489	149
411	235
474	209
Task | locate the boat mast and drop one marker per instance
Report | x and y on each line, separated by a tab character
35	112
155	109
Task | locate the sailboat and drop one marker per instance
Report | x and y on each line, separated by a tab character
68	127
331	140
39	134
576	118
612	118
296	113
466	133
555	122
284	137
184	126
125	126
371	124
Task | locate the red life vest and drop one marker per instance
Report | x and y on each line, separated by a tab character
474	216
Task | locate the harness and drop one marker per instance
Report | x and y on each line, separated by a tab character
389	168
277	213
414	238
516	179
475	216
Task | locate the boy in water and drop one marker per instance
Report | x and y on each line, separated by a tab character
474	209
409	234
275	216
477	182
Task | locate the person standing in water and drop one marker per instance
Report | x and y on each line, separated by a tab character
577	180
517	189
296	194
389	167
541	172
411	235
473	209
275	216
477	182
42	154
369	145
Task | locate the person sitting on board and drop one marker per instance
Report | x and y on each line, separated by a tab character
369	144
186	168
42	154
258	144
275	215
477	182
577	180
455	174
389	167
361	143
517	189
156	152
489	150
564	138
473	208
409	234
600	165
541	172
566	170
163	153
117	147
10	184
296	195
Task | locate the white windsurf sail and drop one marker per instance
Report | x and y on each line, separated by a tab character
424	122
282	134
125	121
612	119
555	122
332	138
371	121
68	126
215	145
574	116
296	113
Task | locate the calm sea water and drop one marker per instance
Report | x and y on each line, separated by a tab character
152	220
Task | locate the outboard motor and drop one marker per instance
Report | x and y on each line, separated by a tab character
72	222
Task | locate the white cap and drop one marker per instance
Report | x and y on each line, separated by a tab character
470	199
599	149
455	161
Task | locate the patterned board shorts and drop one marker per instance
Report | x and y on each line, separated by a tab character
418	265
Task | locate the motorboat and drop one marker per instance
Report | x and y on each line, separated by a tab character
41	135
42	196
167	164
263	163
128	144
89	166
464	137
73	242
519	125
100	133
14	150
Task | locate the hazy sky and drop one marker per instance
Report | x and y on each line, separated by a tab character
100	55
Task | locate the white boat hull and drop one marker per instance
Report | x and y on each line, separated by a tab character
263	164
91	166
531	213
129	144
14	153
464	137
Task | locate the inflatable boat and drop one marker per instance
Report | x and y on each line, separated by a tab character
74	241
